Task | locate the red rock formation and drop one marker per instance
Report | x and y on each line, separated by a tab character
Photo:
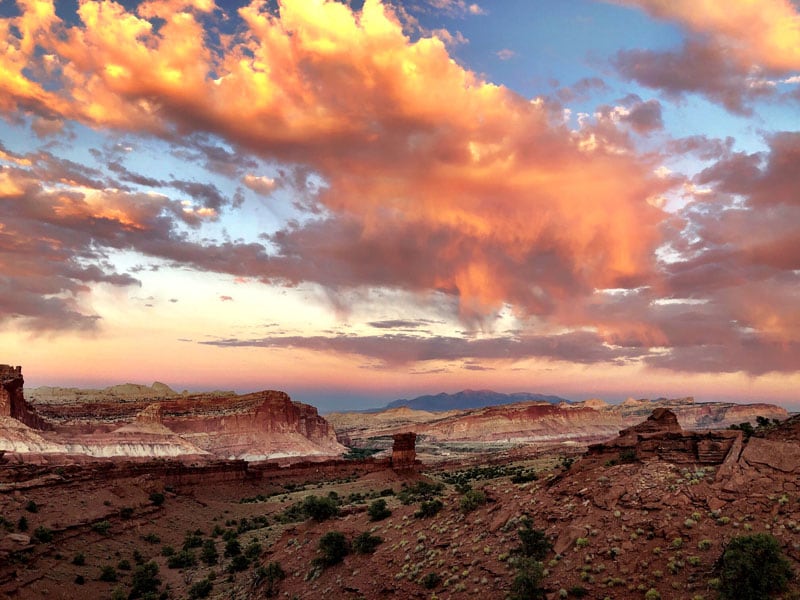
404	454
12	399
255	426
661	437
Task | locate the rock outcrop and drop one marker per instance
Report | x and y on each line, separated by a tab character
542	422
404	454
259	426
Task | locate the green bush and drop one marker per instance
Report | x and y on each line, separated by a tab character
79	559
378	510
232	548
31	507
22	524
124	565
157	498
209	554
145	581
108	573
192	540
201	589
320	508
43	534
533	542
753	567
253	550
472	500
182	560
365	543
527	584
271	575
420	491
151	538
429	508
431	580
238	563
101	527
332	549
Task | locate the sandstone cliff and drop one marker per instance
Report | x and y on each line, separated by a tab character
526	422
258	426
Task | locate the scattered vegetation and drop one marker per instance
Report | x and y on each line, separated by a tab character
360	453
471	500
332	549
271	575
378	510
366	543
753	567
428	509
145	581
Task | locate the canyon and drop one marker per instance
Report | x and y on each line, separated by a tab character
540	423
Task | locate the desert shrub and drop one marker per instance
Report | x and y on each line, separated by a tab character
332	549
527	584
753	567
192	540
182	560
80	579
145	581
386	492
429	508
138	558
101	527
271	575
378	510
238	563
201	589
652	594
151	538
533	542
420	491
108	573
79	559
628	455
524	477
31	507
43	534
578	591
124	565
232	548
167	550
157	498
22	524
209	554
253	550
365	543
472	500
430	581
320	508
126	512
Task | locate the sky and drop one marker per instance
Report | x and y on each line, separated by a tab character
357	202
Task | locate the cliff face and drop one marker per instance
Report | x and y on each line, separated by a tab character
255	426
544	422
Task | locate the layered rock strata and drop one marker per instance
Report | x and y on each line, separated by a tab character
258	426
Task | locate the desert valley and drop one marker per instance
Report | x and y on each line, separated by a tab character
142	492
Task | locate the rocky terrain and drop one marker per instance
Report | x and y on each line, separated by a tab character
644	515
466	399
534	422
124	421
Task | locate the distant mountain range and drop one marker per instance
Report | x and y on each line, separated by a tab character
471	399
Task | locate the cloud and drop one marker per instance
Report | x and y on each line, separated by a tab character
731	55
226	298
259	183
505	54
423	178
401	349
764	33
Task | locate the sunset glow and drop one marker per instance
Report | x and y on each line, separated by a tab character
359	202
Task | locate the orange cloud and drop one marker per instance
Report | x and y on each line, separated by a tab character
511	206
760	32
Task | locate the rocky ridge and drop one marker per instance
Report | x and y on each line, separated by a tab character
540	422
258	426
